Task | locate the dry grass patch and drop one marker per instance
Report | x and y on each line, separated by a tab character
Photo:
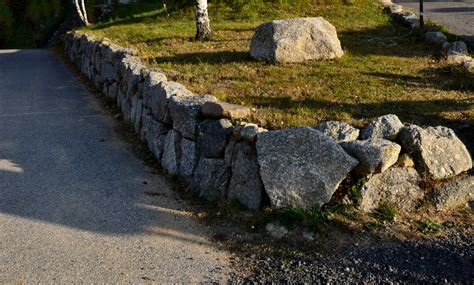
386	67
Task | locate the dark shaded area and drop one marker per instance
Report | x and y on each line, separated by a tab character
33	22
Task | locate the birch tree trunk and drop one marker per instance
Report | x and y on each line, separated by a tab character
84	11
79	11
203	26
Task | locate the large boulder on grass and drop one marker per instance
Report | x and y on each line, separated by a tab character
296	40
301	167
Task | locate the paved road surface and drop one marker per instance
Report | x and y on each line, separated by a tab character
457	16
72	207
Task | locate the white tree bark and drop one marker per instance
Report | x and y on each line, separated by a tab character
79	11
84	11
203	26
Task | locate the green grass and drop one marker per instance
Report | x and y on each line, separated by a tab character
373	226
429	227
386	211
386	67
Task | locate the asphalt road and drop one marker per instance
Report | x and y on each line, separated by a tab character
457	16
72	202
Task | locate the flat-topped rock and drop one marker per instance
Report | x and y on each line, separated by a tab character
338	131
219	110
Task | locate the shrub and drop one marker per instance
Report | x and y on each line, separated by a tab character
41	10
6	22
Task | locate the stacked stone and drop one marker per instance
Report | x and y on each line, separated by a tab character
192	136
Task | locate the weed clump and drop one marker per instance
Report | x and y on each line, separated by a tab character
429	227
386	211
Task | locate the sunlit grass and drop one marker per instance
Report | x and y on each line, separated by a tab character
386	67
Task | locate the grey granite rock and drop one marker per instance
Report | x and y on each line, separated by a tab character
301	167
455	48
438	152
211	178
338	131
400	186
155	135
374	156
113	90
137	110
454	194
171	155
249	132
405	160
213	136
276	231
296	40
225	110
437	38
229	152
185	111
189	159
245	184
157	98
385	127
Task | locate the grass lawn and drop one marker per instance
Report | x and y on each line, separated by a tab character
386	67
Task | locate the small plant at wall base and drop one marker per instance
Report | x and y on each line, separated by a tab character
373	226
355	193
429	227
386	211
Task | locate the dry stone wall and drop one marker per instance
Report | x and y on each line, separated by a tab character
192	136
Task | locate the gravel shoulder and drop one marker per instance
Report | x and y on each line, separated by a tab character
445	260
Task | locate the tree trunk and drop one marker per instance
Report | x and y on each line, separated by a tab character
203	26
79	12
84	11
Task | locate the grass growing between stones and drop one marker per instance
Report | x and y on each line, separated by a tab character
387	68
386	211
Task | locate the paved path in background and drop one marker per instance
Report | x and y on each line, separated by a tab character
72	202
457	16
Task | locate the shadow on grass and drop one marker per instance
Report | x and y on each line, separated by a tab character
207	57
423	112
446	78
